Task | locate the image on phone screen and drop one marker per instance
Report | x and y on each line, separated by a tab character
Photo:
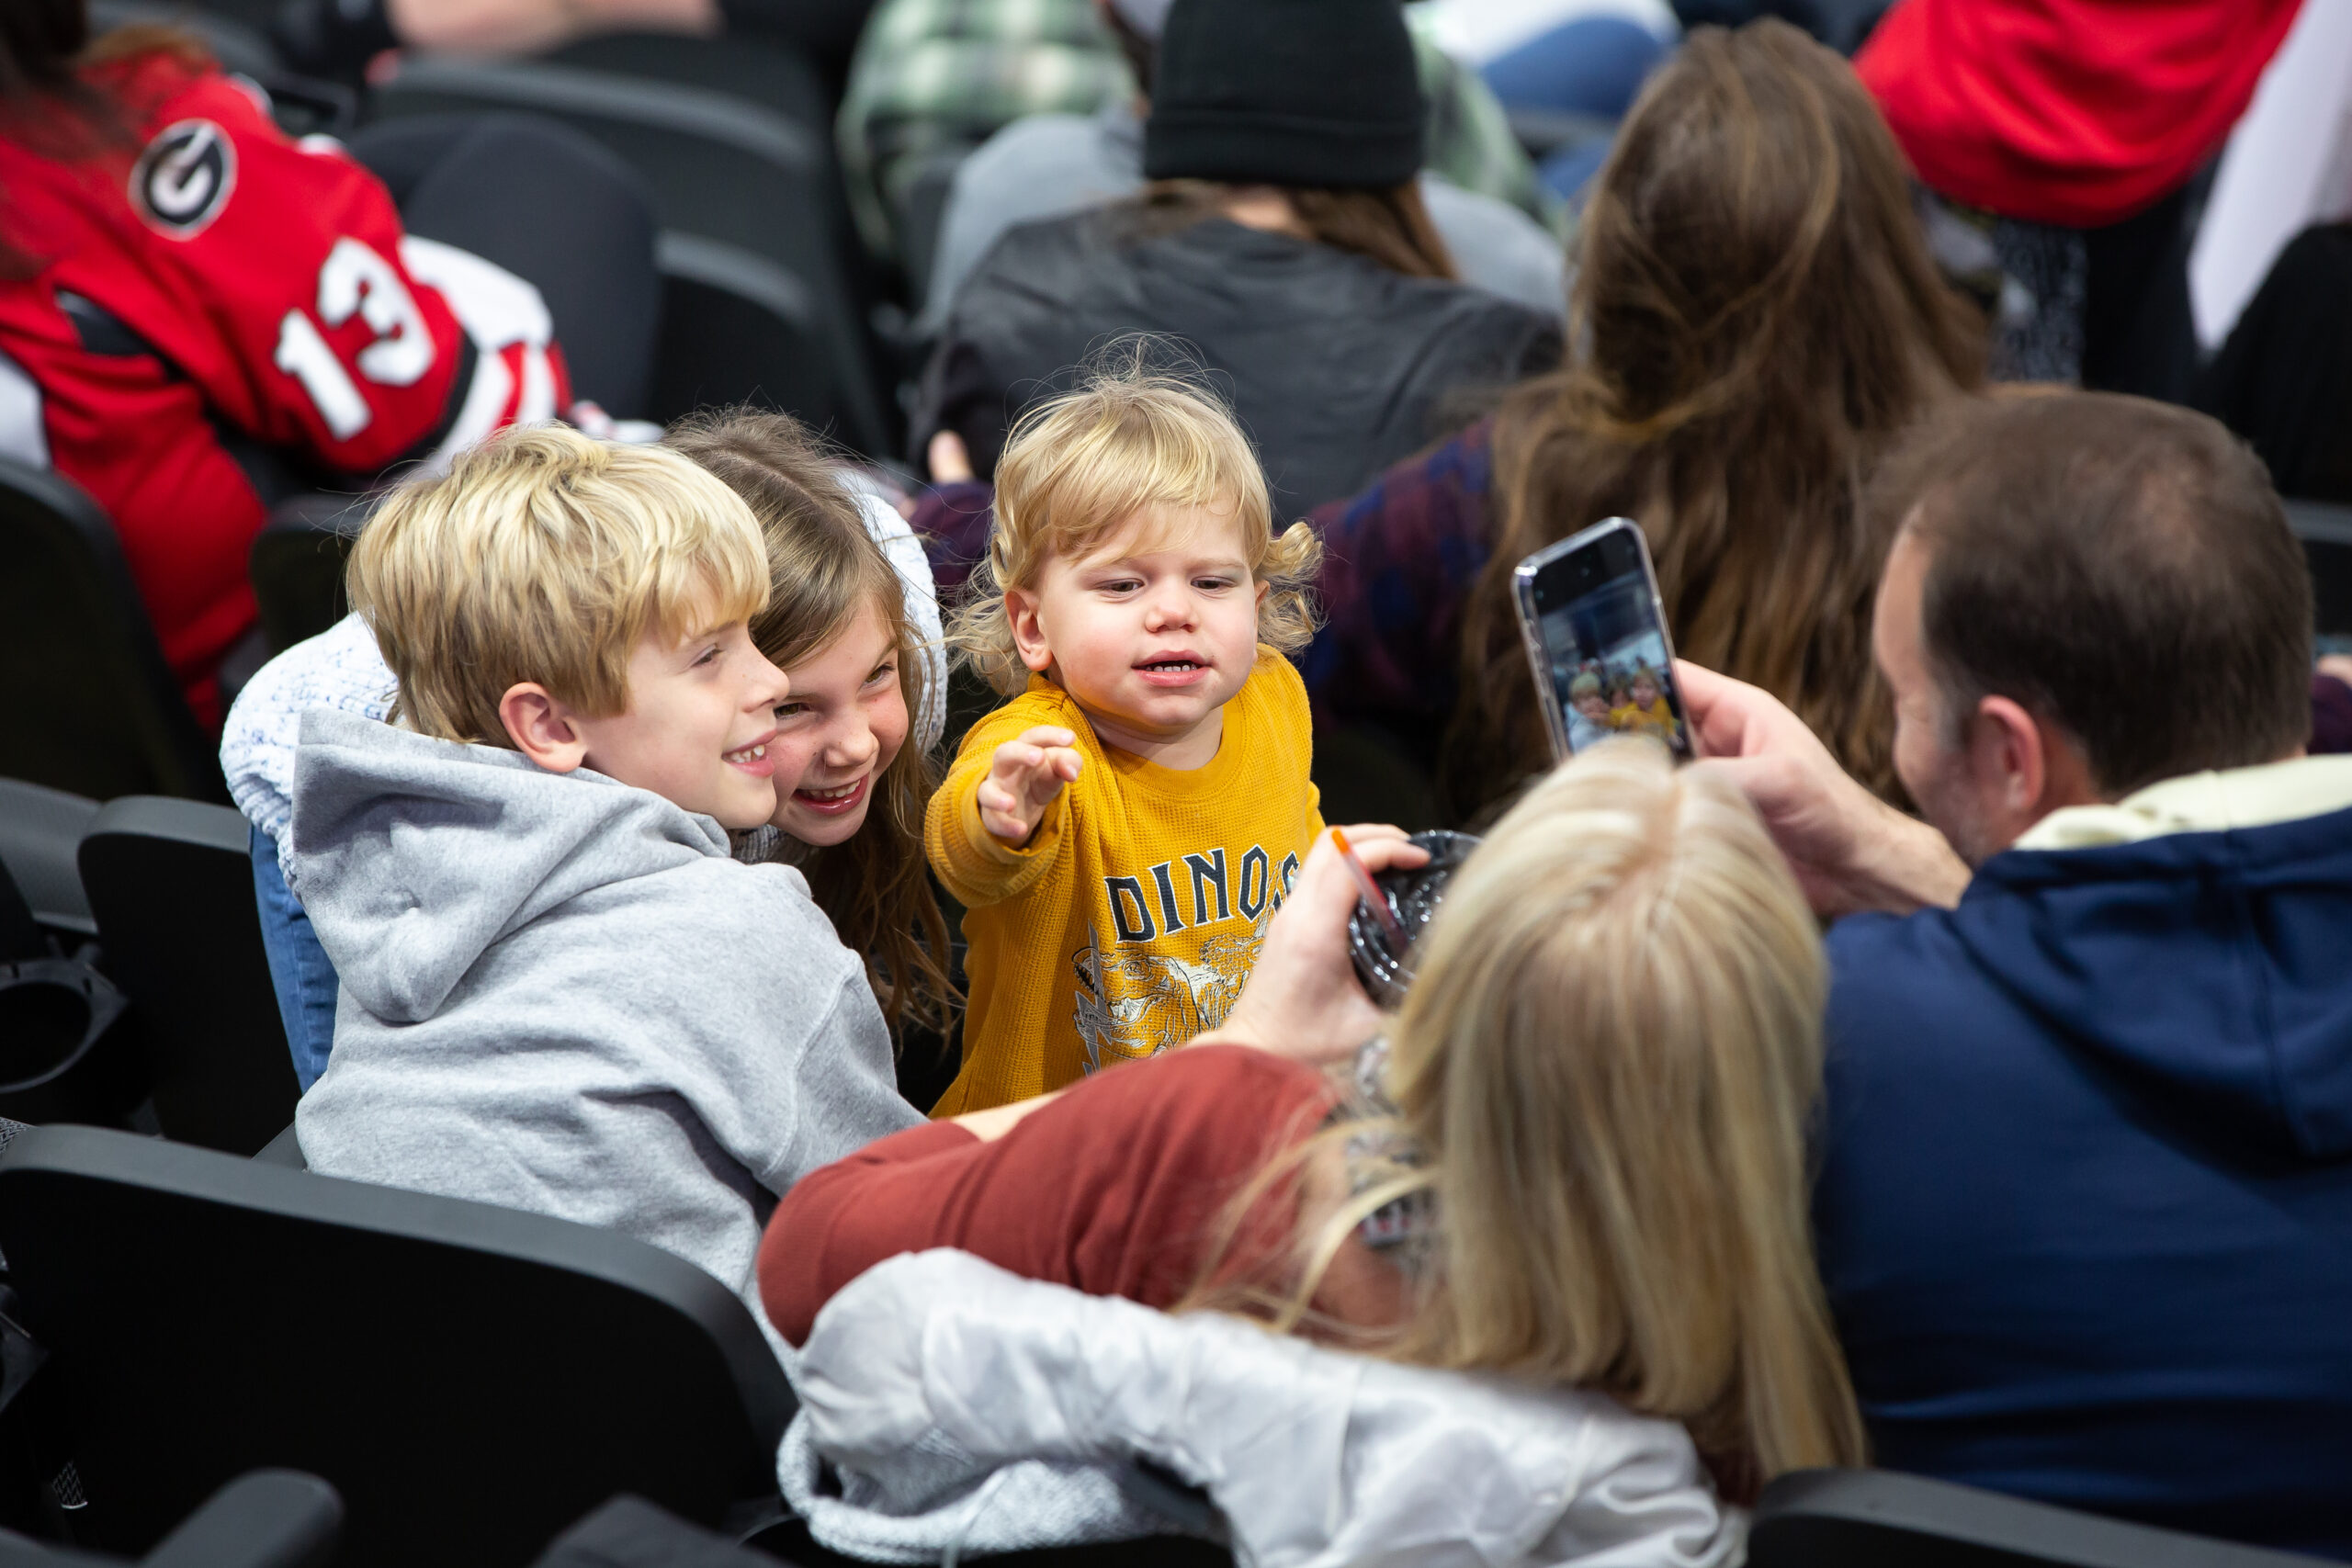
1611	671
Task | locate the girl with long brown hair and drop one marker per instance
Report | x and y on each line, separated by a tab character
1755	316
851	780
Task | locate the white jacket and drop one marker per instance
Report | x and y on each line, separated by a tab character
1313	1457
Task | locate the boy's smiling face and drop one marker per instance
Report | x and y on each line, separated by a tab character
701	712
1151	632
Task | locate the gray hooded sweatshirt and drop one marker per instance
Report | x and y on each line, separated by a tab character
561	994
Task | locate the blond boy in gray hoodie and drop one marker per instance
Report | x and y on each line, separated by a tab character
559	993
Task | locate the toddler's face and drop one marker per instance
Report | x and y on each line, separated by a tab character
698	725
1644	694
837	732
1593	705
1155	629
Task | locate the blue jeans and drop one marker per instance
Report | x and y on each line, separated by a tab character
1592	65
297	966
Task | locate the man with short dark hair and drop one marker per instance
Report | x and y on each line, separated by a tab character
2085	1210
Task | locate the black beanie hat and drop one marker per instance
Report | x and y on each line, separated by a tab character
1285	92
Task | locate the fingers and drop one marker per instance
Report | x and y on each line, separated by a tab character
1041	754
1715	707
1381	847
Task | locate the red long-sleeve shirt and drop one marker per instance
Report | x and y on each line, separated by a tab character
1117	1188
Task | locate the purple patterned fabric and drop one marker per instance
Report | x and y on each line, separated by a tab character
953	520
1399	561
2331	717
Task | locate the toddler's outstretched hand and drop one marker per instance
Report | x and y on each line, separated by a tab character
1026	775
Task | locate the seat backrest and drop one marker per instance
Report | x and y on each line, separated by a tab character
2326	530
232	29
171	884
270	1518
41	830
470	1378
296	565
736	328
1868	1518
743	65
715	165
91	706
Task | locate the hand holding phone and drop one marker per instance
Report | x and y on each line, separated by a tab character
1596	637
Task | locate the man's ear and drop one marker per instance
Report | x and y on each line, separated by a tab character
543	729
1028	633
2027	766
2005	752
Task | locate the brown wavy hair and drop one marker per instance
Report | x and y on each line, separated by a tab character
824	567
1758	319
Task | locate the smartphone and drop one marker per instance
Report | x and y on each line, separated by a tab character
1596	636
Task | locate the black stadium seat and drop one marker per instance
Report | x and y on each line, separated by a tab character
91	707
1878	1519
171	883
41	833
472	1380
718	167
736	328
296	565
269	1518
232	31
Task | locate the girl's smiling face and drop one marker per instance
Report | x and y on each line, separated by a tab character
836	733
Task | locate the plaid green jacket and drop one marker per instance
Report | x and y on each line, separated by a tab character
933	79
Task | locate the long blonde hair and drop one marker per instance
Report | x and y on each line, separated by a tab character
1604	1073
825	567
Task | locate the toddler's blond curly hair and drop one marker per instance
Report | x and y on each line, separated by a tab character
1127	441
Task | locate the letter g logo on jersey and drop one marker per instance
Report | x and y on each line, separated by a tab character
183	180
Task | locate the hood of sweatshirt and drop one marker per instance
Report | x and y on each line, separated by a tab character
413	855
2212	969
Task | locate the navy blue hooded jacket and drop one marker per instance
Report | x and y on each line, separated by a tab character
2085	1210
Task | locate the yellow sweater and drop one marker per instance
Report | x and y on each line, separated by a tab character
1129	922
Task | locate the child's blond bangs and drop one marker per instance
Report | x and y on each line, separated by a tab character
545	556
1127	444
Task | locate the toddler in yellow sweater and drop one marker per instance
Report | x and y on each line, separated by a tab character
1120	831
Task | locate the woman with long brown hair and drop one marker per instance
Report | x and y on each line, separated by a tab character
1756	316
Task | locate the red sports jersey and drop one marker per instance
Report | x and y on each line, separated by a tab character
225	285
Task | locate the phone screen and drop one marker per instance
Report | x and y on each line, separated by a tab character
1602	643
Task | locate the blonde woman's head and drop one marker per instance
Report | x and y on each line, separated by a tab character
1608	1059
1132	462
